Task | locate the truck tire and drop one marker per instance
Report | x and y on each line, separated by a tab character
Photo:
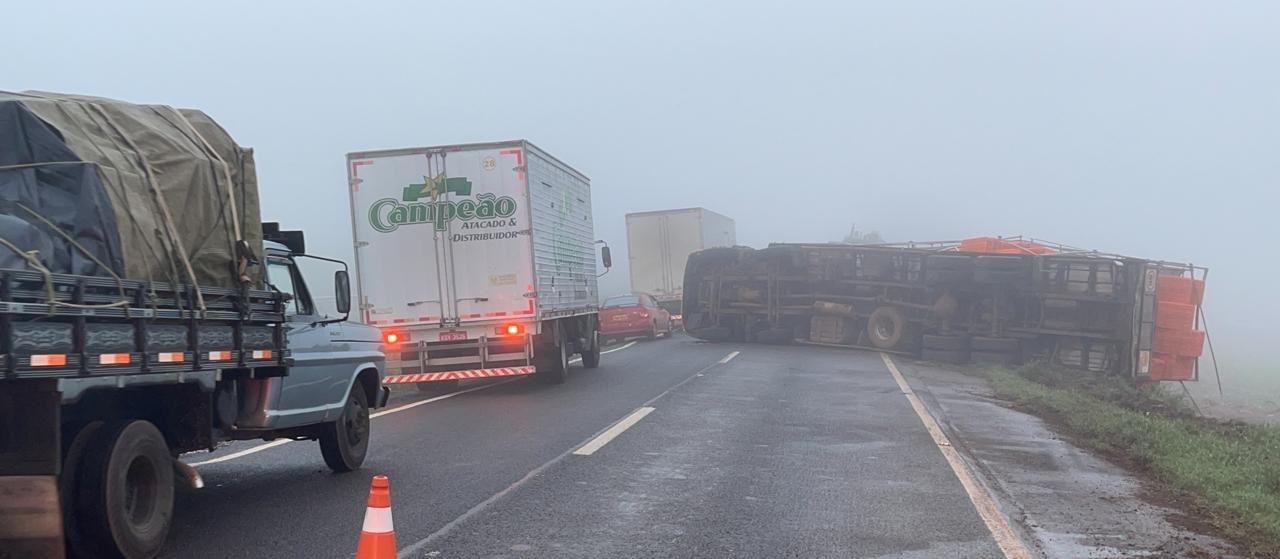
953	356
556	370
886	327
591	357
951	343
995	345
69	487
345	442
437	386
125	491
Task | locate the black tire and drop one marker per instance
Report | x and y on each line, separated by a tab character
653	331
69	487
437	386
557	365
955	356
886	327
125	491
952	343
345	442
995	345
994	358
591	357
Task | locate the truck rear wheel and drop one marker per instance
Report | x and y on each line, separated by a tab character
69	487
591	357
125	483
345	442
886	327
556	369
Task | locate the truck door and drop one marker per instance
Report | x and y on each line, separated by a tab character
489	272
316	380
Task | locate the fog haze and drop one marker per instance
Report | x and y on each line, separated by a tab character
1144	128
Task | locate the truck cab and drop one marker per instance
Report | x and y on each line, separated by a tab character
256	364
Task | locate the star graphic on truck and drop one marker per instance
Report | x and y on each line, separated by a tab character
436	186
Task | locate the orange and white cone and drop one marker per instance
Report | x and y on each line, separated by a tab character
378	538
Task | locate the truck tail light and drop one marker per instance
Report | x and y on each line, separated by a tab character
511	329
393	337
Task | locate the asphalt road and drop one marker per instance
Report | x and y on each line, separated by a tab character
737	451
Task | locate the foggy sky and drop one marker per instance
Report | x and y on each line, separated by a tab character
1145	128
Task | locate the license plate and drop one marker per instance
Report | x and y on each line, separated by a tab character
619	318
452	336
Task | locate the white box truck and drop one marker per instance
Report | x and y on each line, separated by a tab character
475	260
660	242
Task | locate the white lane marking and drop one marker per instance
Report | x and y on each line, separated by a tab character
1008	541
242	453
279	442
612	433
412	549
729	357
619	348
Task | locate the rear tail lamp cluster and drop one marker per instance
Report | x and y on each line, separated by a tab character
393	337
509	330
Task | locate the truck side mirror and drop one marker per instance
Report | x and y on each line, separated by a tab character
606	256
342	291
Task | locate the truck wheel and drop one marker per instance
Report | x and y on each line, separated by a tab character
886	327
69	487
125	491
345	442
653	331
591	357
557	371
437	386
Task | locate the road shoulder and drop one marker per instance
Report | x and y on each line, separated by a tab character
1068	501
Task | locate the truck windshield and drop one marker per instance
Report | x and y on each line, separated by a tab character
622	301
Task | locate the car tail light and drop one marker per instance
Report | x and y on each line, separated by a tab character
641	314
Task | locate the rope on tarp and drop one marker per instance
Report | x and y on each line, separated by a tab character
170	229
33	259
242	260
42	164
78	246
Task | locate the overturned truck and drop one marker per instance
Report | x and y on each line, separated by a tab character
990	300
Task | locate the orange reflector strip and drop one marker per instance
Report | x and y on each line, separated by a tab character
113	359
262	354
171	357
219	355
49	360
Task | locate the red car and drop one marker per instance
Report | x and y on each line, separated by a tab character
633	315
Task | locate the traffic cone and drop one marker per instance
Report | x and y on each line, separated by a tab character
378	538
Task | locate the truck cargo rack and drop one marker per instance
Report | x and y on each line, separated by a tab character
57	325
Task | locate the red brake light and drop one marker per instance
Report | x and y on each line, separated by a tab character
391	338
513	329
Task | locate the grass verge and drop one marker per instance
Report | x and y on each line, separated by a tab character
1232	469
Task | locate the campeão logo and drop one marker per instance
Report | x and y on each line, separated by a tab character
388	214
